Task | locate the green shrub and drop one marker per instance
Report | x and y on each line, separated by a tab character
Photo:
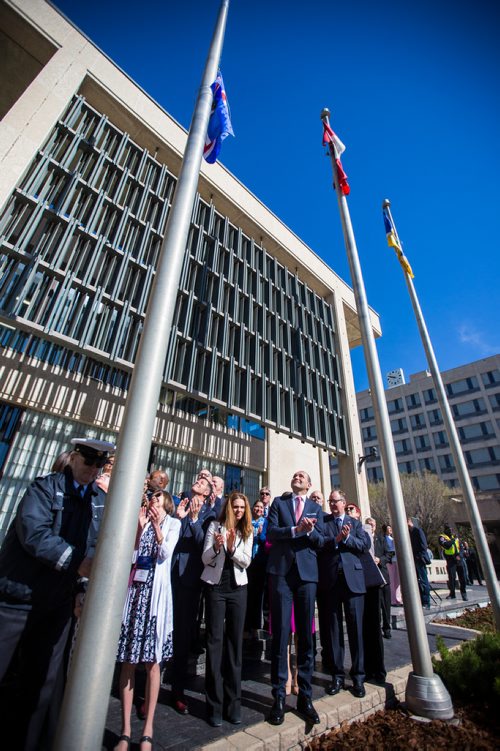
473	671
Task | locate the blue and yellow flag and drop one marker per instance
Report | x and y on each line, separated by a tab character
393	242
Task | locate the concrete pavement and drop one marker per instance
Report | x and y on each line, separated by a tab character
189	733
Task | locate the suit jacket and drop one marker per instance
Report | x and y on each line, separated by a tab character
214	561
344	554
286	549
384	555
189	548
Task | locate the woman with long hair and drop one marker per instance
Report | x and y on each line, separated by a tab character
147	623
227	553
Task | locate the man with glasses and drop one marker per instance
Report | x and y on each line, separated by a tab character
50	543
342	586
265	497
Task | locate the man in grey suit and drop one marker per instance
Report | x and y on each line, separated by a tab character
342	586
295	531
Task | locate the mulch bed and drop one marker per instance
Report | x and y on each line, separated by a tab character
394	729
477	618
473	727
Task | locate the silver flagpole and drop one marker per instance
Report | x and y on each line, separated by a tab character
83	716
456	448
426	694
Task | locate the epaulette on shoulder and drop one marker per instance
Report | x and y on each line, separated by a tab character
287	495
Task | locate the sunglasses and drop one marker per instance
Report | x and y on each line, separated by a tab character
350	508
99	463
265	492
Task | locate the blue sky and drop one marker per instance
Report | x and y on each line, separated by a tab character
413	88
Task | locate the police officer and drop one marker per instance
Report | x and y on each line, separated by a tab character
49	544
450	545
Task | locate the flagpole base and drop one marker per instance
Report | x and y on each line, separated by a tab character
428	697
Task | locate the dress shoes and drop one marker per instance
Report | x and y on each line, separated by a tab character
215	721
335	687
387	634
358	690
306	710
464	596
277	713
180	706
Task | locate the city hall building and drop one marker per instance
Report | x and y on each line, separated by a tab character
257	381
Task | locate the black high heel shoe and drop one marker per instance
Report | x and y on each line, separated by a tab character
125	738
146	739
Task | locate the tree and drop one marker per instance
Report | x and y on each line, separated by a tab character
425	496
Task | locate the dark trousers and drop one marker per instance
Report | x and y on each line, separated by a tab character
186	602
341	600
385	606
423	583
38	641
285	591
373	644
225	619
455	568
256	587
324	629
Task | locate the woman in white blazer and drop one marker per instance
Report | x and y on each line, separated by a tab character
227	553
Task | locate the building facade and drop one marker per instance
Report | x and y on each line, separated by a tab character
421	442
257	379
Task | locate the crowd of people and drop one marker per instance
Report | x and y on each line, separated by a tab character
200	556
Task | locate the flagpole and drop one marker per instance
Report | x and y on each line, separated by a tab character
455	446
83	715
426	694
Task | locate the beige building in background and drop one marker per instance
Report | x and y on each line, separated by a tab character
258	380
421	443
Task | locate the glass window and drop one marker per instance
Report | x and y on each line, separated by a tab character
413	400
395	405
435	417
427	464
491	378
430	396
422	442
399	425
476	431
417	421
486	482
463	386
440	439
406	467
472	407
366	414
446	463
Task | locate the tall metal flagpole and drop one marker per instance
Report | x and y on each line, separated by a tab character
83	715
456	449
426	694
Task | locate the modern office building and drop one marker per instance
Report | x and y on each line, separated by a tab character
258	378
420	438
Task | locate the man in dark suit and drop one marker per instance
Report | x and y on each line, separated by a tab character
342	583
383	556
295	531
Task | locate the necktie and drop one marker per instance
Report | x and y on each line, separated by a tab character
338	523
298	508
81	490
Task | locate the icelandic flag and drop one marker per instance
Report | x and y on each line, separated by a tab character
329	137
219	125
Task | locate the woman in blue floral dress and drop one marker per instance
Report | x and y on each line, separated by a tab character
147	624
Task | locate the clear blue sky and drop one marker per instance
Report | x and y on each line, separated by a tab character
414	92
